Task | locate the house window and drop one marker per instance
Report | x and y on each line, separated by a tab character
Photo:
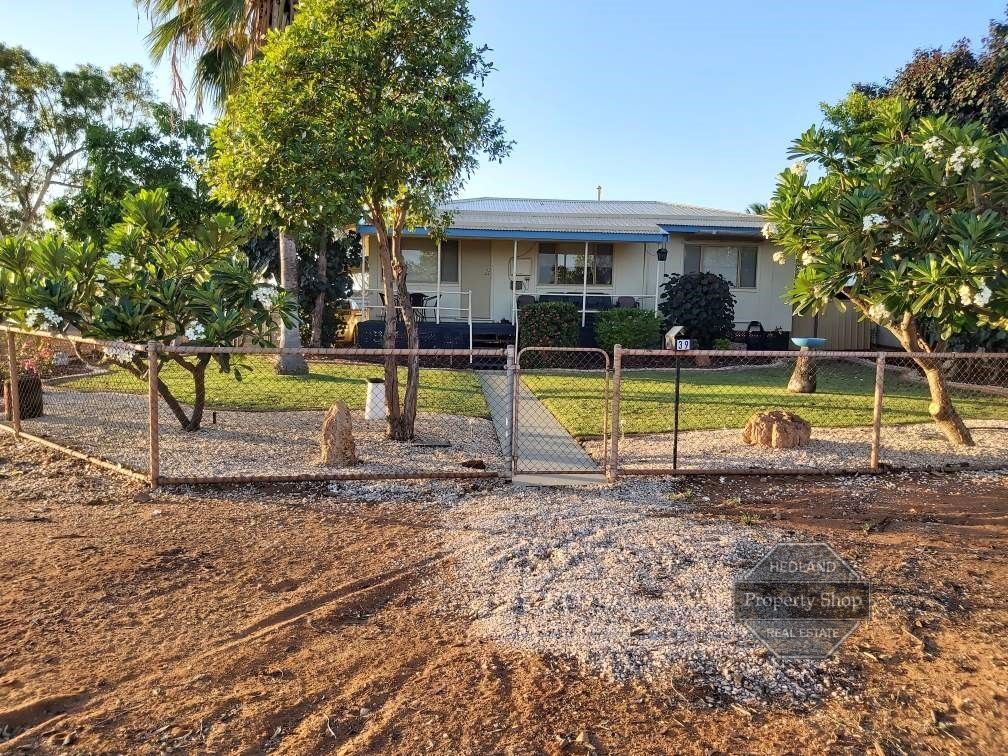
421	264
736	264
564	264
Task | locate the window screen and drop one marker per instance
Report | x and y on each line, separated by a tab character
747	267
450	261
736	264
691	261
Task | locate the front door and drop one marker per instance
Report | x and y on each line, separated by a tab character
475	275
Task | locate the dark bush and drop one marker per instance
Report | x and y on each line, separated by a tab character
553	324
633	329
702	303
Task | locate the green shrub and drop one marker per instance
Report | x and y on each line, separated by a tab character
702	303
633	329
553	324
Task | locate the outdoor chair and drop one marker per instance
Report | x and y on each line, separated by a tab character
756	336
418	302
627	303
524	300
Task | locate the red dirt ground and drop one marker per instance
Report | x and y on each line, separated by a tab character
290	621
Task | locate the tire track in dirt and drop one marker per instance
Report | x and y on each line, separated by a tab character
240	652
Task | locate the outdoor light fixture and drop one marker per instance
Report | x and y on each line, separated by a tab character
662	254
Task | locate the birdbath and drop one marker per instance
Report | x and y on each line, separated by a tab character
803	379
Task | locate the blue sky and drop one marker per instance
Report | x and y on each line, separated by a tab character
681	101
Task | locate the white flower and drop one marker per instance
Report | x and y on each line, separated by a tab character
265	295
114	259
195	332
121	354
799	168
977	162
872	221
43	318
983	296
965	294
879	313
932	146
768	230
896	239
808	258
779	257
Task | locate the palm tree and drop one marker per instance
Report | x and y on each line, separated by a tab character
756	208
221	36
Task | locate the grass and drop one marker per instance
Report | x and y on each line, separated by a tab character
455	392
711	399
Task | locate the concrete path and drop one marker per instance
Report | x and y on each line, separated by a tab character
543	445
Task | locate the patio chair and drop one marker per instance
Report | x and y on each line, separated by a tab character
627	303
524	300
756	336
418	302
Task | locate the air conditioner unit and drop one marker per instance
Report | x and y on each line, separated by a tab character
523	269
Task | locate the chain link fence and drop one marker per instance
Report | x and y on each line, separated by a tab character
207	415
108	427
801	412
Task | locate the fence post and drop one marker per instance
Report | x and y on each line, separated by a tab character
510	352
614	426
153	428
880	361
15	391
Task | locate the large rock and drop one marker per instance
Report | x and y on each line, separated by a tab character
777	429
338	449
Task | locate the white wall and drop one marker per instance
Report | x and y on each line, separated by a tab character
633	274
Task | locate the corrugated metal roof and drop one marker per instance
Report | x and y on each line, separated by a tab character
609	216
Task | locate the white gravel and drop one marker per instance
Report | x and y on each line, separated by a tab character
622	580
113	426
917	446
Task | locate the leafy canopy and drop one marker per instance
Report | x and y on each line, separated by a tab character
45	115
151	281
371	107
903	215
160	149
958	82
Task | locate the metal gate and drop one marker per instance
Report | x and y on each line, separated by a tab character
561	411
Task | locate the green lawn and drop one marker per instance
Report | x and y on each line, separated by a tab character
727	398
455	392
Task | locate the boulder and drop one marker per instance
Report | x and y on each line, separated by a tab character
777	429
338	448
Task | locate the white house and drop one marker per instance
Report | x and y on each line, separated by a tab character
500	252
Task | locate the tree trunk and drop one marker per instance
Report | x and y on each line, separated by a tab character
318	312
803	379
405	427
941	409
391	331
199	396
198	372
290	338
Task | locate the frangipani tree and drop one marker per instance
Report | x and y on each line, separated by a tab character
150	282
904	216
